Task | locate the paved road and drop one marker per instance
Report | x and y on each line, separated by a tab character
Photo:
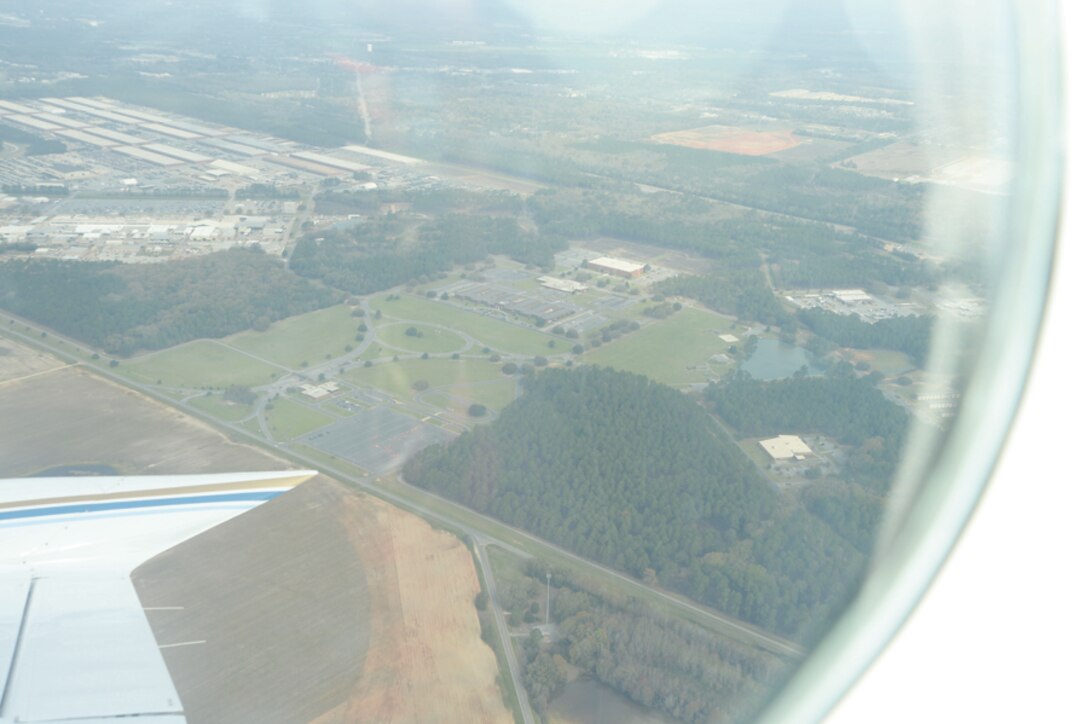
504	632
512	537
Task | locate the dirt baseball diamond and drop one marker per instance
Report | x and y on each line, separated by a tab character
731	139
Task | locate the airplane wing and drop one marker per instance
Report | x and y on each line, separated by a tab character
75	644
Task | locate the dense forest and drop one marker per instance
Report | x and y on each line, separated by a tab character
666	663
385	251
35	144
848	409
636	475
126	308
801	253
742	293
873	206
906	334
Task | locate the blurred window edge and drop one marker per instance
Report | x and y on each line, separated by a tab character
912	555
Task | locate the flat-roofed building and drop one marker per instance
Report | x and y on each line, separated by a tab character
562	285
618	267
318	391
786	447
849	296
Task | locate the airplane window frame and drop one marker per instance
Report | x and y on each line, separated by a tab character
914	553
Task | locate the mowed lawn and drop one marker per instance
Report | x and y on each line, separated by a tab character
434	340
664	351
202	363
305	338
495	395
469	378
494	333
217	406
289	419
887	361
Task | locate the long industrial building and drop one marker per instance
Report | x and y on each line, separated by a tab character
617	267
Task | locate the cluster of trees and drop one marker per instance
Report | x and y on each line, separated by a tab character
35	145
662	310
848	409
126	308
907	334
801	253
436	201
672	666
613	330
859	267
20	247
35	189
240	395
636	475
386	251
675	669
266	191
743	293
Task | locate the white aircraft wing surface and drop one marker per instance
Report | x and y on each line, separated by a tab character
75	645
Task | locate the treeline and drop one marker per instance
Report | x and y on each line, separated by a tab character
511	157
812	191
848	409
909	334
743	293
35	189
266	191
857	267
383	252
35	145
633	474
666	664
435	201
126	308
802	254
659	661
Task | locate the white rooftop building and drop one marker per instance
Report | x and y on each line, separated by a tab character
851	295
785	447
318	391
621	267
562	285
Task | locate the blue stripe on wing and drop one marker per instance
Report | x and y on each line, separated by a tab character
89	507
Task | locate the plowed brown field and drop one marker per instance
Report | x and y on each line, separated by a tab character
731	140
323	604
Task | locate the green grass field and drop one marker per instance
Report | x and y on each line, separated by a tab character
218	407
494	333
202	363
757	454
495	394
289	419
466	376
665	350
887	361
434	340
305	338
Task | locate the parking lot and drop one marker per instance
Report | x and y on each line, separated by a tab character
378	440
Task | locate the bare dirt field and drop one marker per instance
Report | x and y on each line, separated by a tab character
900	159
811	149
69	416
937	164
426	661
323	604
731	139
265	618
18	361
